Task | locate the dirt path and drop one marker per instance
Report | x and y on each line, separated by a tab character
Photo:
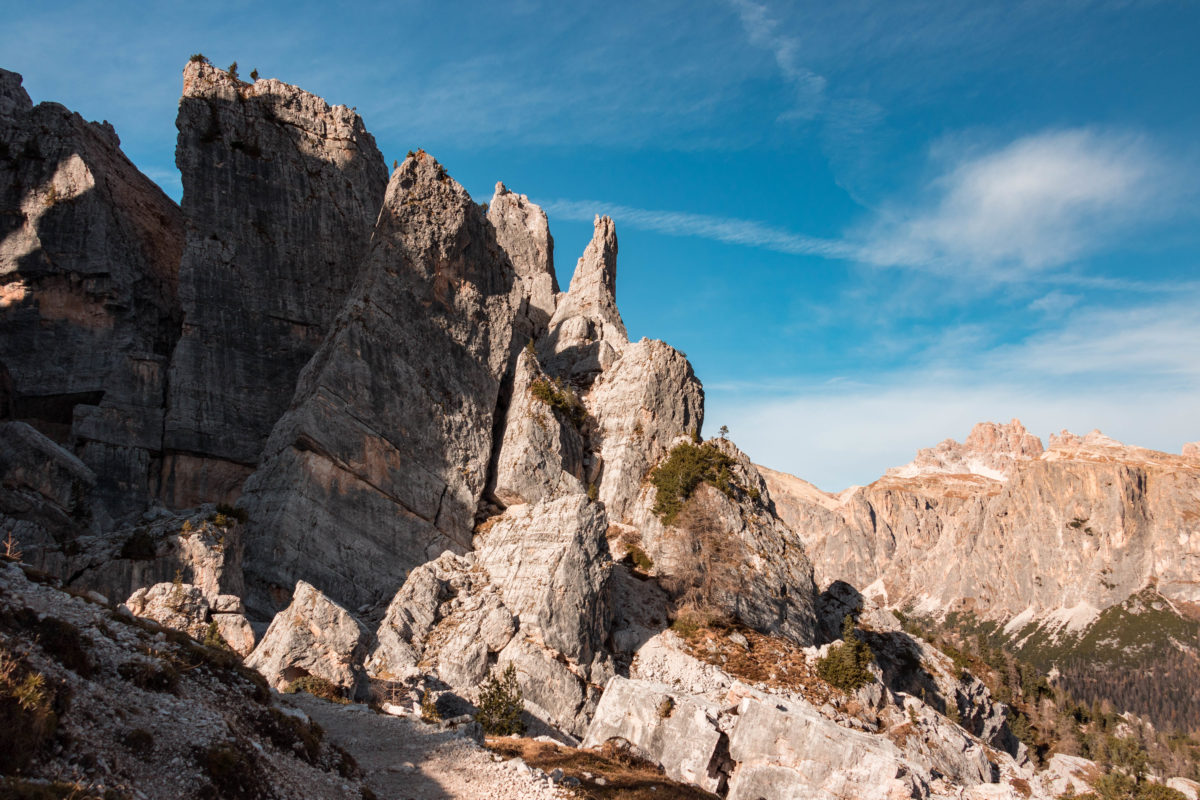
405	759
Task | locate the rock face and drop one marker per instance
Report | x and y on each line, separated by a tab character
380	463
313	636
89	259
1094	521
586	334
280	192
551	565
523	231
990	450
677	731
542	452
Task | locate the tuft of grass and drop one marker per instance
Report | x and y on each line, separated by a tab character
153	676
28	717
233	772
63	641
560	397
625	778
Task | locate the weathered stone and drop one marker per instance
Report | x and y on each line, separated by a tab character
552	692
381	461
280	192
523	231
676	731
586	334
550	563
446	616
313	636
236	631
642	405
89	259
181	606
789	750
541	453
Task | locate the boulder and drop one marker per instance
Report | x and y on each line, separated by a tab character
180	606
313	636
551	565
677	731
789	750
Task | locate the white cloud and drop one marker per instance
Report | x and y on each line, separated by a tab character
720	229
1037	203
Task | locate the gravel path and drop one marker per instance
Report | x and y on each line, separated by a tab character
405	759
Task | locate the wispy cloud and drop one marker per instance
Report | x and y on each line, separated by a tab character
1024	211
1034	204
721	229
764	31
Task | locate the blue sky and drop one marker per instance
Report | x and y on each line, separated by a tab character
868	224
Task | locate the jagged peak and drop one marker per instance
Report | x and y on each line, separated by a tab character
593	290
524	232
13	97
989	450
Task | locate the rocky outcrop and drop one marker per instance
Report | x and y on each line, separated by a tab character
448	618
280	192
541	453
586	334
381	461
523	231
1094	521
313	636
676	731
642	404
989	450
551	565
89	259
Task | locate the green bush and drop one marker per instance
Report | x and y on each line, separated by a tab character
845	666
28	718
500	704
561	398
687	467
198	58
640	559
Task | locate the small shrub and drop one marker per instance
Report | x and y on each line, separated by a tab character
140	546
561	398
289	734
666	708
640	560
198	58
687	466
500	704
232	512
429	709
213	637
317	687
233	771
254	74
232	71
845	666
28	718
63	641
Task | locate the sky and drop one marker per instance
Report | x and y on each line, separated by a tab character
868	224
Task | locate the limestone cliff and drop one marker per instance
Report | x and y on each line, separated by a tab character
380	463
1055	536
280	192
89	259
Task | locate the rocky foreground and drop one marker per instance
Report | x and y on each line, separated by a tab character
345	426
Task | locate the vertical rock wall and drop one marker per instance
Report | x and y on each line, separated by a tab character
280	192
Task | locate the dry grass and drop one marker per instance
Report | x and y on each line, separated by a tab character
624	778
771	660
